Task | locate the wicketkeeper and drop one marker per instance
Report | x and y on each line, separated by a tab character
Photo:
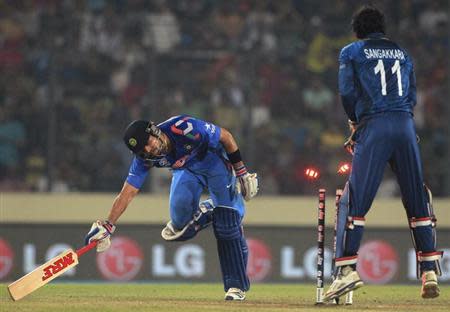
378	91
201	156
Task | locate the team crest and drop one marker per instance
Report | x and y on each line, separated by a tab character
132	142
188	147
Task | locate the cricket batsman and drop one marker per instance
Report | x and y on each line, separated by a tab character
201	156
378	91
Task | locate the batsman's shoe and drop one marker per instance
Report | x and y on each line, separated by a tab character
430	288
346	281
201	219
235	294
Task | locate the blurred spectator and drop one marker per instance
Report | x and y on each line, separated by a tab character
432	16
229	24
259	29
162	30
318	98
11	42
266	69
102	33
12	139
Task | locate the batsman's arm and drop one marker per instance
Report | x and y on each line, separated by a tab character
121	202
248	182
101	231
229	143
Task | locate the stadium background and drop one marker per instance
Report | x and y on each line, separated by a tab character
75	73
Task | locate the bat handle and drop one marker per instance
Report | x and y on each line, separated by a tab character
86	248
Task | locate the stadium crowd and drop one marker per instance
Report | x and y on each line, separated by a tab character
73	74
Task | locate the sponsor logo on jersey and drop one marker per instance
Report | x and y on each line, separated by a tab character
180	162
184	127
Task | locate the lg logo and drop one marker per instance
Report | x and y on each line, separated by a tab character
188	261
377	262
6	258
122	261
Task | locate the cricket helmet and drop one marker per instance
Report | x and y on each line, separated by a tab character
137	134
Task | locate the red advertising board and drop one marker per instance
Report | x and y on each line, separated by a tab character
138	253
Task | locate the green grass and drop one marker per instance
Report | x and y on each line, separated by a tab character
209	297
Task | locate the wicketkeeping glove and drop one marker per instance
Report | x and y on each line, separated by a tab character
349	144
247	183
100	231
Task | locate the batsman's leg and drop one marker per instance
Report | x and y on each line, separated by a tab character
202	219
227	216
188	217
233	252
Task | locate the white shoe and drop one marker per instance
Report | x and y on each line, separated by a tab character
346	281
430	288
169	233
235	294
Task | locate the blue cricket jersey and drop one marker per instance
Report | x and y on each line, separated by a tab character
191	139
375	76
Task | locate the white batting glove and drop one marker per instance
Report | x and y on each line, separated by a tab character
100	231
247	183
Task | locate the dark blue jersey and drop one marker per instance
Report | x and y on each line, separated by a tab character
191	140
375	75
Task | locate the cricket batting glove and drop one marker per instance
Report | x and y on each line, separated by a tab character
247	183
100	231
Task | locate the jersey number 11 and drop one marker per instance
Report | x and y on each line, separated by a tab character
394	69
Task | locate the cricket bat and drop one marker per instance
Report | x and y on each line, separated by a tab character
47	272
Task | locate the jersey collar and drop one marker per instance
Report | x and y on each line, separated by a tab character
377	35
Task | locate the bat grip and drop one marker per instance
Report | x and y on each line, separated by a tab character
86	248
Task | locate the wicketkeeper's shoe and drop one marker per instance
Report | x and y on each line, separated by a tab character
346	281
235	294
430	288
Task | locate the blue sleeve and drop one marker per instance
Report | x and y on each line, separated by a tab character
347	88
210	133
137	173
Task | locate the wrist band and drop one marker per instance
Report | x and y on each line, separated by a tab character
240	171
109	227
235	157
